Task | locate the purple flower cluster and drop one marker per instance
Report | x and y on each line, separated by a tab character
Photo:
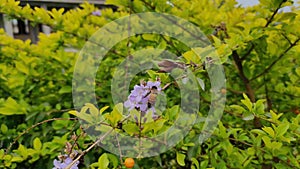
139	96
64	161
97	13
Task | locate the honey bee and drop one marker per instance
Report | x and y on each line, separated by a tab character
152	96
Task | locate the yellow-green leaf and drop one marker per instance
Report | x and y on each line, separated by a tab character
180	158
37	144
103	109
11	107
103	161
116	115
4	128
269	130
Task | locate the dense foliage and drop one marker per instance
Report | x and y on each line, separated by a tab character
258	47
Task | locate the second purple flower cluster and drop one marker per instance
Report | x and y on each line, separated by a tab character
64	161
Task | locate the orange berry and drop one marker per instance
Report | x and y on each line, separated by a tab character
129	162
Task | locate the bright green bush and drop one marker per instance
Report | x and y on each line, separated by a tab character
258	47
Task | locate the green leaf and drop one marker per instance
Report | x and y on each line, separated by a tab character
217	41
65	89
23	151
116	115
17	159
282	129
103	109
180	159
227	146
154	125
288	140
246	163
131	129
251	151
162	45
191	56
237	108
204	164
195	162
222	130
269	130
103	161
73	112
158	160
82	114
11	107
22	67
248	116
267	142
158	124
259	106
258	131
247	102
276	145
37	144
93	110
149	37
287	15
41	15
201	83
34	158
151	73
298	71
113	160
275	117
173	112
4	128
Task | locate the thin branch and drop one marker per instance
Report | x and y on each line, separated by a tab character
273	15
248	52
75	143
119	147
89	148
57	111
290	42
267	24
259	86
275	61
269	103
166	86
268	120
250	91
232	113
243	142
239	65
242	75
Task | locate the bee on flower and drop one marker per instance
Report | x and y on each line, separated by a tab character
143	96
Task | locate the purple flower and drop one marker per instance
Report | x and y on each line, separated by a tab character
139	96
97	13
143	104
152	84
139	92
64	161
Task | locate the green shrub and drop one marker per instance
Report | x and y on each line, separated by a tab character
258	47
